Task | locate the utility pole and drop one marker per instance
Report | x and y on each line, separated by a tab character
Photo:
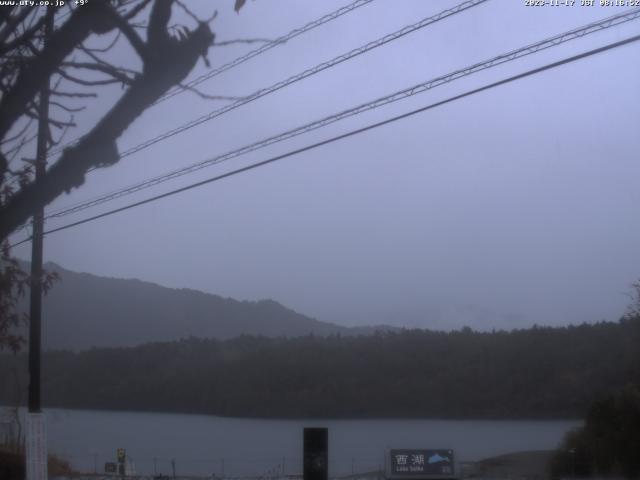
36	455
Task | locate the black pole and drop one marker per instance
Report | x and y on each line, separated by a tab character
315	454
35	305
35	310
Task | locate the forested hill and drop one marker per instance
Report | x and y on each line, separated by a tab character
540	372
83	311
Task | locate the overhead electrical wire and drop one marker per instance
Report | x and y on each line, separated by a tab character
251	54
268	46
351	133
304	74
407	92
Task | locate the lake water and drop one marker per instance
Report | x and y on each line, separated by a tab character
202	444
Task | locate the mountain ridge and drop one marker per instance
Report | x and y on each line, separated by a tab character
84	310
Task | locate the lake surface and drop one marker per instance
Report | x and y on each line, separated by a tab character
202	444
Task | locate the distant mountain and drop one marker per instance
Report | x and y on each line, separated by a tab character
83	311
439	316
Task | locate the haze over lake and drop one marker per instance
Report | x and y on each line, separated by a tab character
235	446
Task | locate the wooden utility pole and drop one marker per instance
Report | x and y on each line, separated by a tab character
35	306
36	455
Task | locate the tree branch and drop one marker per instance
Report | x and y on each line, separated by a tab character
66	108
60	124
62	135
128	31
206	96
83	21
242	40
27	35
12	23
102	49
73	94
187	11
157	35
163	68
19	134
90	83
23	142
135	10
115	72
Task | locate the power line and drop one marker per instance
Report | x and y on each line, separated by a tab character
305	74
262	49
394	97
253	53
351	133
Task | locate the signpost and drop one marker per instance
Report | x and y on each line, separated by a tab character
420	464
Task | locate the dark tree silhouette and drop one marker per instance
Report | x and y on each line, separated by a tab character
166	60
609	442
70	60
540	372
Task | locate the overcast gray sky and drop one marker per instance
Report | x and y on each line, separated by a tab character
512	207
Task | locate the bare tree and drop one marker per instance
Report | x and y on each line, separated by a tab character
12	436
76	68
633	309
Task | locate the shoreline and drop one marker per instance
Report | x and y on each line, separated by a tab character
309	418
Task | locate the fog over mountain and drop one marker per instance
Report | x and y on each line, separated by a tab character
504	209
83	311
443	316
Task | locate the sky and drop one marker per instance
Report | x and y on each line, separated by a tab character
512	207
